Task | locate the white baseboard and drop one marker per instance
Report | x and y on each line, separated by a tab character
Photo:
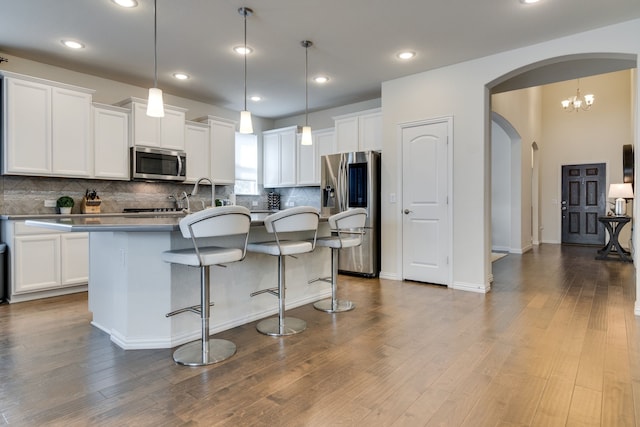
471	287
390	276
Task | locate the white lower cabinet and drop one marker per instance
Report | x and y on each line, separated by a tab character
43	263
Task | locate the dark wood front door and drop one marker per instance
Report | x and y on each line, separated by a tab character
583	201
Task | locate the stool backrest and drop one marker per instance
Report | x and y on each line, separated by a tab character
300	218
352	219
215	222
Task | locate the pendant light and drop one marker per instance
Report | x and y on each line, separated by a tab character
245	115
306	129
155	105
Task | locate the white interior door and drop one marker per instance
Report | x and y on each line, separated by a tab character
425	225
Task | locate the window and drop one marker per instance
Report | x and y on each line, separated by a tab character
246	164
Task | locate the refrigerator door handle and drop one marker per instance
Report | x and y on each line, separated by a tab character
342	184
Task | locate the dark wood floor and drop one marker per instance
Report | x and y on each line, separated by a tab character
555	343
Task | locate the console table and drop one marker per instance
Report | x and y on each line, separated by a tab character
614	224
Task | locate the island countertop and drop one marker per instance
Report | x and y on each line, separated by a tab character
127	223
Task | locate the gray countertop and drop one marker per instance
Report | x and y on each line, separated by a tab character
136	222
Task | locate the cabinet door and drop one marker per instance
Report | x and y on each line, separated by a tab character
223	151
347	134
74	259
307	162
288	158
370	131
196	144
111	144
146	130
36	262
27	149
325	142
172	130
270	160
71	138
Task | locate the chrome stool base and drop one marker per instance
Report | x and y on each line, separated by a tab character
271	326
191	354
330	306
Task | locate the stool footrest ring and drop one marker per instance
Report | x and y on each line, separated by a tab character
320	279
272	291
194	309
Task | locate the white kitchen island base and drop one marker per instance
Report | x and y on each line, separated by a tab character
131	289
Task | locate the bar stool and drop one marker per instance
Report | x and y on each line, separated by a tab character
282	224
212	222
347	229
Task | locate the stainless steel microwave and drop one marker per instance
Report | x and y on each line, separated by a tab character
158	164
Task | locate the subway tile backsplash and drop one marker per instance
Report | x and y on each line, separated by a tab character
26	195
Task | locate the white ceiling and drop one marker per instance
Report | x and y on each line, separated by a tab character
355	41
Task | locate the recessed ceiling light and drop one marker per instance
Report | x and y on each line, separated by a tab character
72	44
321	79
126	3
407	54
529	1
181	76
256	98
241	50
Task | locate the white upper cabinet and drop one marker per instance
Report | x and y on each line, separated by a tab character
47	128
309	156
111	142
158	132
196	144
280	157
360	131
222	146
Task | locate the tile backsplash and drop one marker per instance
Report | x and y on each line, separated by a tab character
26	195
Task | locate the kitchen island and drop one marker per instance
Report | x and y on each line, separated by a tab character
131	289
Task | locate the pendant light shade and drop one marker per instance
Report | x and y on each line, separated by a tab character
245	122
246	126
306	129
155	104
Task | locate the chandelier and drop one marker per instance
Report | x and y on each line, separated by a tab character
578	102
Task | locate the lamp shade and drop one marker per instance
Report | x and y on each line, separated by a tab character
246	126
155	106
306	136
621	191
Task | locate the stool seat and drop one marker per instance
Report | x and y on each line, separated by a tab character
347	229
287	247
210	255
335	242
280	224
231	222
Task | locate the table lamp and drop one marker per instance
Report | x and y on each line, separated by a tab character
621	192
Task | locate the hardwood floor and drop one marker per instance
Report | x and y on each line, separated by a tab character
554	343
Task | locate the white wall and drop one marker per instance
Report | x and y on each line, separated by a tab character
594	136
460	91
500	189
522	110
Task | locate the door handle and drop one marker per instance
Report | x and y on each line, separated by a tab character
407	211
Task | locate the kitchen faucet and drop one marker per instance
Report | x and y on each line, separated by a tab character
185	196
213	189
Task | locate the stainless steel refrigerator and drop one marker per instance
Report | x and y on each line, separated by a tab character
352	180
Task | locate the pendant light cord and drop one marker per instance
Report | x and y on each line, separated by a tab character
306	85
155	44
245	58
